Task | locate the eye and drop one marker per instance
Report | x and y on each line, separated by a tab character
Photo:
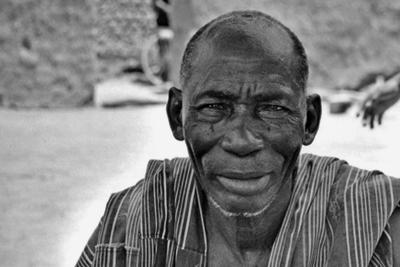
213	111
274	107
269	110
269	107
213	106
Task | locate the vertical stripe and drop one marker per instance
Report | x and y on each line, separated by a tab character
306	236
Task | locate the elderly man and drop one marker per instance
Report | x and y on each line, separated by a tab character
245	197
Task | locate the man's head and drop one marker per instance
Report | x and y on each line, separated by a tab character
241	21
242	111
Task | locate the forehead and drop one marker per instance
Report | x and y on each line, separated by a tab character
251	39
241	79
243	54
235	73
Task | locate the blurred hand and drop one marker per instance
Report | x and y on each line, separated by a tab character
378	98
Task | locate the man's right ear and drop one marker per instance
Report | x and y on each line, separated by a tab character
174	112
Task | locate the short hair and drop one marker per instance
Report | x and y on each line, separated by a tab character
240	16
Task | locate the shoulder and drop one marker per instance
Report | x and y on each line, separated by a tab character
361	203
118	199
124	208
314	166
349	185
120	203
346	174
119	208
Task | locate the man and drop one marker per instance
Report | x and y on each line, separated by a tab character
245	197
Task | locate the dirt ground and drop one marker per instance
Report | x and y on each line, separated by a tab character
58	169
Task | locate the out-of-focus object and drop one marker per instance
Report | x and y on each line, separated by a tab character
340	41
52	52
120	27
154	56
339	103
370	78
164	6
378	98
118	92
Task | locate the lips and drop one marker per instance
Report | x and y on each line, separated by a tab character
244	183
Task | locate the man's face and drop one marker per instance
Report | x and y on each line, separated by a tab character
243	121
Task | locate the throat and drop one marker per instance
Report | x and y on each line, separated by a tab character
251	234
242	240
241	232
238	241
245	239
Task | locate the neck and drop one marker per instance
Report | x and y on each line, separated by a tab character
248	234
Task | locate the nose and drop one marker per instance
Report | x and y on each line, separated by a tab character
242	142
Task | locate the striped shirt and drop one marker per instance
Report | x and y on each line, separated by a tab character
337	216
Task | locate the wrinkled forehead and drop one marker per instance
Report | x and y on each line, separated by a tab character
252	39
244	47
241	54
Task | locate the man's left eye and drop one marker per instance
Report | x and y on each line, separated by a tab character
271	110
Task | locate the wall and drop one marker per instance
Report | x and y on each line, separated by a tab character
120	28
343	39
53	51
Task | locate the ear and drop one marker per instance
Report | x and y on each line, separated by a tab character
174	112
313	118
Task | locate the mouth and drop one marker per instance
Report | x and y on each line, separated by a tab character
244	183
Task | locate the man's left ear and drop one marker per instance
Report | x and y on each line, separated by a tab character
174	112
313	118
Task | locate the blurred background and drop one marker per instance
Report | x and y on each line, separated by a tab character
83	86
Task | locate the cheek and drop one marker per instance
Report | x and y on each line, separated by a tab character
285	137
201	137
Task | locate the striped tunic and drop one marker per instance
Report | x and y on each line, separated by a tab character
338	216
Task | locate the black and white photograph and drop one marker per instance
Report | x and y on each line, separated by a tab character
199	133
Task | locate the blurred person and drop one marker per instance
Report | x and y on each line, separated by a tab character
162	9
246	196
379	97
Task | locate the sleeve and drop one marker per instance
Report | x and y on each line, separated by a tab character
387	251
108	239
394	225
87	257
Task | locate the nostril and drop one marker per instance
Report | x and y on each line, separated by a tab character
242	143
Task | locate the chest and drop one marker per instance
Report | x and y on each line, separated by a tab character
221	254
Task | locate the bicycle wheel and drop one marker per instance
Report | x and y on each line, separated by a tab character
151	60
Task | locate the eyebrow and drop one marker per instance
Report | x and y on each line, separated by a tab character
223	95
227	95
270	96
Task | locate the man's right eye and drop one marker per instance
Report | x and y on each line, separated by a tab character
213	106
213	109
